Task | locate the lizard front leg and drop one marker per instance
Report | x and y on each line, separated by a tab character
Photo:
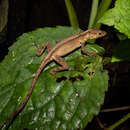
61	61
42	48
85	51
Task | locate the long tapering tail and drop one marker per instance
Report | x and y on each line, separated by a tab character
20	108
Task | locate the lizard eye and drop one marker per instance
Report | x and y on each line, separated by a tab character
100	33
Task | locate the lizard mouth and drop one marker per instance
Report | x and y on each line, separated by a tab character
104	33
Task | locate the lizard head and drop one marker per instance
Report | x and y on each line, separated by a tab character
93	34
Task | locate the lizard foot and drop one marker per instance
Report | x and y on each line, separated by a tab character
52	72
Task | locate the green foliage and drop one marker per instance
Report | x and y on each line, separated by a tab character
68	101
97	12
122	52
104	5
119	17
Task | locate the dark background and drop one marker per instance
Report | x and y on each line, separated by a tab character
27	15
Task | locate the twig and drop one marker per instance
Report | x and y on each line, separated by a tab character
100	123
116	109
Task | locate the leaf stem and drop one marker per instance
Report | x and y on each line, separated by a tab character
72	14
119	122
93	13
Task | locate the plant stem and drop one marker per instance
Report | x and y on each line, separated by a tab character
72	14
119	122
93	13
102	8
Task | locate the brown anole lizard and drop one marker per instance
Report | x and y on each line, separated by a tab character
55	53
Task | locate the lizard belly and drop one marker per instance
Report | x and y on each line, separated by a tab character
67	48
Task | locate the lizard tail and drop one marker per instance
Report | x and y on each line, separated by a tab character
18	110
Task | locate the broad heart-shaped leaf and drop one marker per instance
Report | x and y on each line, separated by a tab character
119	17
66	101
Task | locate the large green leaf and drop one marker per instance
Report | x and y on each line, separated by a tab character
67	101
119	17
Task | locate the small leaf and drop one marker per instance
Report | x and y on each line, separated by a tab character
122	52
118	17
121	36
95	48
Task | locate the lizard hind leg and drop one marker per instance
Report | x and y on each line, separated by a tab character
62	62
